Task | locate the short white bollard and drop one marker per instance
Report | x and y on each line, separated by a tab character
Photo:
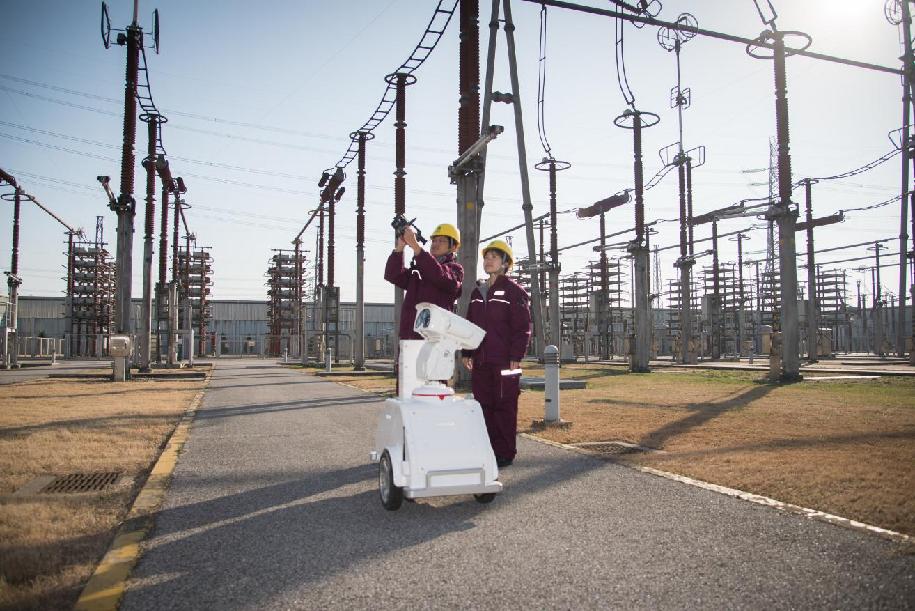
551	384
120	347
329	359
286	355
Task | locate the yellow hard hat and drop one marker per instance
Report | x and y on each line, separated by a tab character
449	231
501	246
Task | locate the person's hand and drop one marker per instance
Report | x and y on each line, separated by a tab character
514	364
409	236
468	362
399	244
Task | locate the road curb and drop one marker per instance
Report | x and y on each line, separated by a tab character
757	499
105	587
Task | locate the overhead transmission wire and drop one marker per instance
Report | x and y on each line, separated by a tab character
170	111
866	167
541	86
418	56
198	130
621	77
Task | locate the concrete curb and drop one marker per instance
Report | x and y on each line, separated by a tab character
758	499
105	587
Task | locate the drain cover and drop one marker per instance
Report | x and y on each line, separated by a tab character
81	482
613	448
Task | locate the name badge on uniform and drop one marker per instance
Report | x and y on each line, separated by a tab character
498	292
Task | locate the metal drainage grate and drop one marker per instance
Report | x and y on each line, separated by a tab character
82	482
613	448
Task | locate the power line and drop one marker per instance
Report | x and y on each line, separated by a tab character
172	112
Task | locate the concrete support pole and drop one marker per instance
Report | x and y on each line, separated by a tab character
68	337
716	314
641	350
878	305
172	324
527	206
469	200
903	219
638	362
173	290
298	310
359	344
604	306
741	323
685	264
125	206
11	350
320	293
909	82
555	336
145	330
812	310
188	309
786	219
162	293
305	332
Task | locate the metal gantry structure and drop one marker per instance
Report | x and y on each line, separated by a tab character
285	301
10	339
196	272
90	296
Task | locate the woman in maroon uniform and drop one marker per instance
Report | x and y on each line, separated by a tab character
501	307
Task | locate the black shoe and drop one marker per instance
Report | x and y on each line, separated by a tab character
503	462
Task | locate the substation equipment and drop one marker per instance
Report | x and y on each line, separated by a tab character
196	271
90	300
286	308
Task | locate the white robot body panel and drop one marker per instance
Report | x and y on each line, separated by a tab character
438	446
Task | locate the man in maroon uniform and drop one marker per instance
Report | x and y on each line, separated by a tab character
500	307
433	276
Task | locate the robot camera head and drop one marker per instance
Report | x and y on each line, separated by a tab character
437	324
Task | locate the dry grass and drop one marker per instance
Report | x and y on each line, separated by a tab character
844	447
50	544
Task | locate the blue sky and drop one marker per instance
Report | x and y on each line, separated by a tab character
261	100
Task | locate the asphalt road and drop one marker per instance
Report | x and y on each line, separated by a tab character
274	505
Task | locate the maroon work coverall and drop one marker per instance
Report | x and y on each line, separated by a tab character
427	279
504	313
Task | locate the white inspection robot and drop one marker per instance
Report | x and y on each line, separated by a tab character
429	441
